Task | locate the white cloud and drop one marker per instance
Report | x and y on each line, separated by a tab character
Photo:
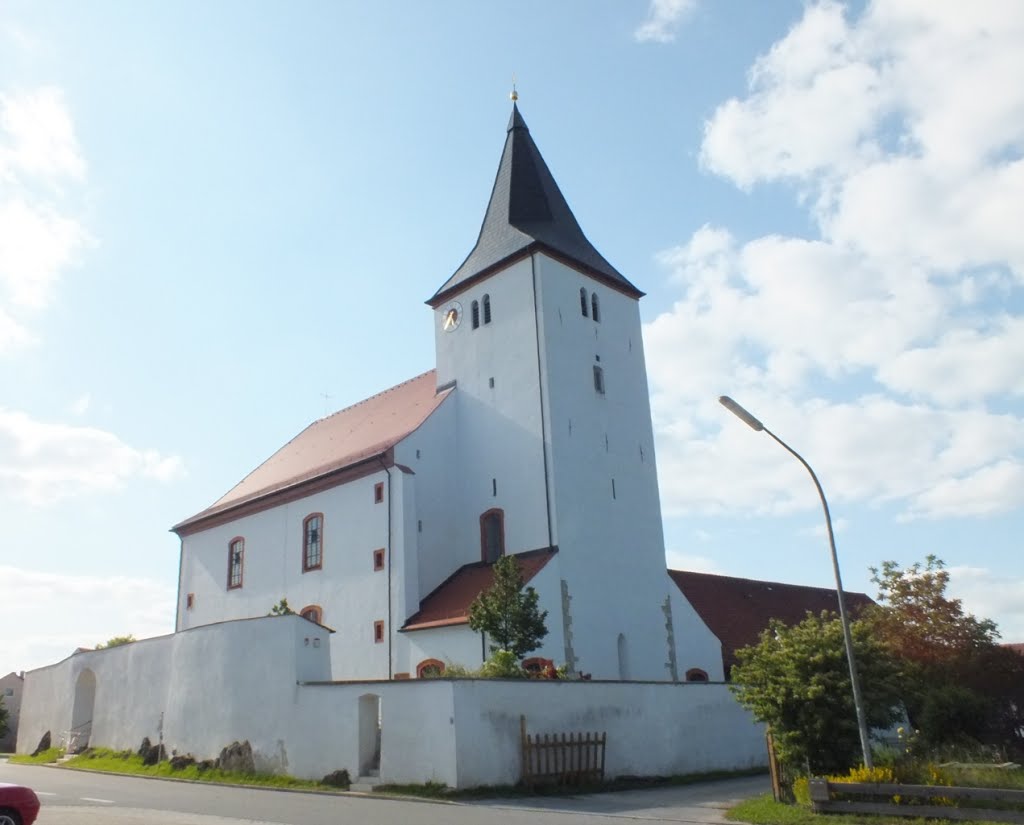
37	243
103	607
663	19
887	345
678	560
42	463
40	239
80	406
40	140
986	593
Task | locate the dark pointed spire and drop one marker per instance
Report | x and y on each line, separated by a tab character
528	211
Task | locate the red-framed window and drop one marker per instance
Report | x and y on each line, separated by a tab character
378	631
695	674
312	542
378	492
236	562
378	559
313	612
428	668
492	535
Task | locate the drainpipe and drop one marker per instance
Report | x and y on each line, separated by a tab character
387	556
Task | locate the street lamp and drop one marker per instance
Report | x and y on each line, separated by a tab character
858	703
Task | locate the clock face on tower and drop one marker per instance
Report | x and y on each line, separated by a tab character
451	317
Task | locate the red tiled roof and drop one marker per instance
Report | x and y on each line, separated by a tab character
449	602
1016	647
354	434
737	610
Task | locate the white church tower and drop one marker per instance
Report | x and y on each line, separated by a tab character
541	337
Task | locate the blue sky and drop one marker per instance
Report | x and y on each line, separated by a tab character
219	221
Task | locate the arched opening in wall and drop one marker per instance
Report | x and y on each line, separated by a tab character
81	712
583	302
695	674
623	647
475	312
492	535
595	307
428	668
313	612
369	734
487	309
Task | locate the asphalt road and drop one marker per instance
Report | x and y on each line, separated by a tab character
78	798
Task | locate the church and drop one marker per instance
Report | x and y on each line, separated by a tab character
532	437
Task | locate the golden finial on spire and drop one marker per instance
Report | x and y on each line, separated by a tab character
514	96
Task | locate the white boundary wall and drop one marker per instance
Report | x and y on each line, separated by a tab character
256	680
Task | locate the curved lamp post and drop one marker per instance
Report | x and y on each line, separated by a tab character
858	703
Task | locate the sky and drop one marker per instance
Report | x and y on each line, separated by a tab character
220	221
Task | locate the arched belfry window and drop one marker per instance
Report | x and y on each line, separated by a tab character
487	309
313	612
236	560
312	542
492	535
475	312
695	674
595	308
583	302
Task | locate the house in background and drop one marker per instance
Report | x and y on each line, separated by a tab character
11	689
736	610
531	437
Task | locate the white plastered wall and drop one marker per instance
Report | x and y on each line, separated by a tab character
265	681
350	592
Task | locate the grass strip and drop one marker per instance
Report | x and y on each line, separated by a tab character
763	810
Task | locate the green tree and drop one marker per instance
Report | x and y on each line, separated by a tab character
116	641
4	714
918	621
281	609
797	681
508	612
959	686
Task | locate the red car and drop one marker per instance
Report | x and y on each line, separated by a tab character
18	805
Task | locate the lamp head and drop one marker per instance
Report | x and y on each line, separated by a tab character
740	413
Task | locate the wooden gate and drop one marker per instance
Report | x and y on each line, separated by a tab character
562	759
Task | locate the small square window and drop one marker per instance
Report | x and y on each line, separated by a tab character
378	631
378	492
190	601
378	559
8	691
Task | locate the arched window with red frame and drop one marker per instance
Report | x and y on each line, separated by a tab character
492	535
313	542
695	674
236	562
428	668
313	612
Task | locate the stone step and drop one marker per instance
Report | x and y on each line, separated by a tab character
366	784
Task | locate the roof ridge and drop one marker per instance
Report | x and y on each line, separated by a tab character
371	397
761	581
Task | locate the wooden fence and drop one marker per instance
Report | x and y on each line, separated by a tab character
822	792
562	759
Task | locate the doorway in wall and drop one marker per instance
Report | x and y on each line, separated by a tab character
369	734
77	738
